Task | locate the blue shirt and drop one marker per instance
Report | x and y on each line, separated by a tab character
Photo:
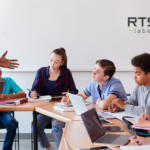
10	86
111	86
50	88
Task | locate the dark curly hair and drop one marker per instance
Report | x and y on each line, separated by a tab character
108	66
142	61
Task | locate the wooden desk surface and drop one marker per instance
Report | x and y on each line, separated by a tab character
60	115
77	136
57	114
28	106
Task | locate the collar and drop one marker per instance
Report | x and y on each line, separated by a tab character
146	88
47	72
105	84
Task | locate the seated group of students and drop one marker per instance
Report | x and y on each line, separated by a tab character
106	91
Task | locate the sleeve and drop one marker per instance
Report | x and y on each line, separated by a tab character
72	87
136	110
36	84
13	86
117	89
87	91
133	98
132	104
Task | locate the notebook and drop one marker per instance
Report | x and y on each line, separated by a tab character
13	102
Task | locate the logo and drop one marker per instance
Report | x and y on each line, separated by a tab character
139	24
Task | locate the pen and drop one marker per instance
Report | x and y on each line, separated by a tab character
114	105
67	94
135	136
145	109
31	91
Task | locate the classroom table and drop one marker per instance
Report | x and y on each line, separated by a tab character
28	106
77	137
74	138
50	111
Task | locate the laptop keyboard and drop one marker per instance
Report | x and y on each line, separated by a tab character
108	138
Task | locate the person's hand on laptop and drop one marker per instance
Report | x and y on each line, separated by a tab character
2	96
8	63
65	100
113	108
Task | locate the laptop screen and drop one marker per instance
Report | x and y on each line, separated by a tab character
93	124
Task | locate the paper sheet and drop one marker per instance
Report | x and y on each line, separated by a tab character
132	120
146	147
42	98
119	115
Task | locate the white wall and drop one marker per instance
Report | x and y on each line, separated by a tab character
25	80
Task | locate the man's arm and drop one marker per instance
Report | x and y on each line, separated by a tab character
129	108
20	94
8	63
83	95
67	101
103	104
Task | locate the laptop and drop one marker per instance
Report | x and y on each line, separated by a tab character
1	86
97	133
78	104
67	145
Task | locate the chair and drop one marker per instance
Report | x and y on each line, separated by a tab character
16	139
128	94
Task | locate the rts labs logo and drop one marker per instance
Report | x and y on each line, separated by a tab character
139	24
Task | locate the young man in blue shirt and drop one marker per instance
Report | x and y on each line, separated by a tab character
5	117
103	87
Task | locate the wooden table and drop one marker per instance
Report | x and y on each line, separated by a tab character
28	106
50	111
75	133
77	136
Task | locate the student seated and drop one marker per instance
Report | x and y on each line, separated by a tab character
5	118
52	80
141	94
143	122
103	87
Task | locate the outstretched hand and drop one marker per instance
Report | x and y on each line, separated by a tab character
8	63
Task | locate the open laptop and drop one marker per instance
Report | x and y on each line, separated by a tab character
80	107
67	145
97	133
1	86
78	104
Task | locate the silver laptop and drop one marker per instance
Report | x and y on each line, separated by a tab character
1	86
78	104
67	145
97	132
